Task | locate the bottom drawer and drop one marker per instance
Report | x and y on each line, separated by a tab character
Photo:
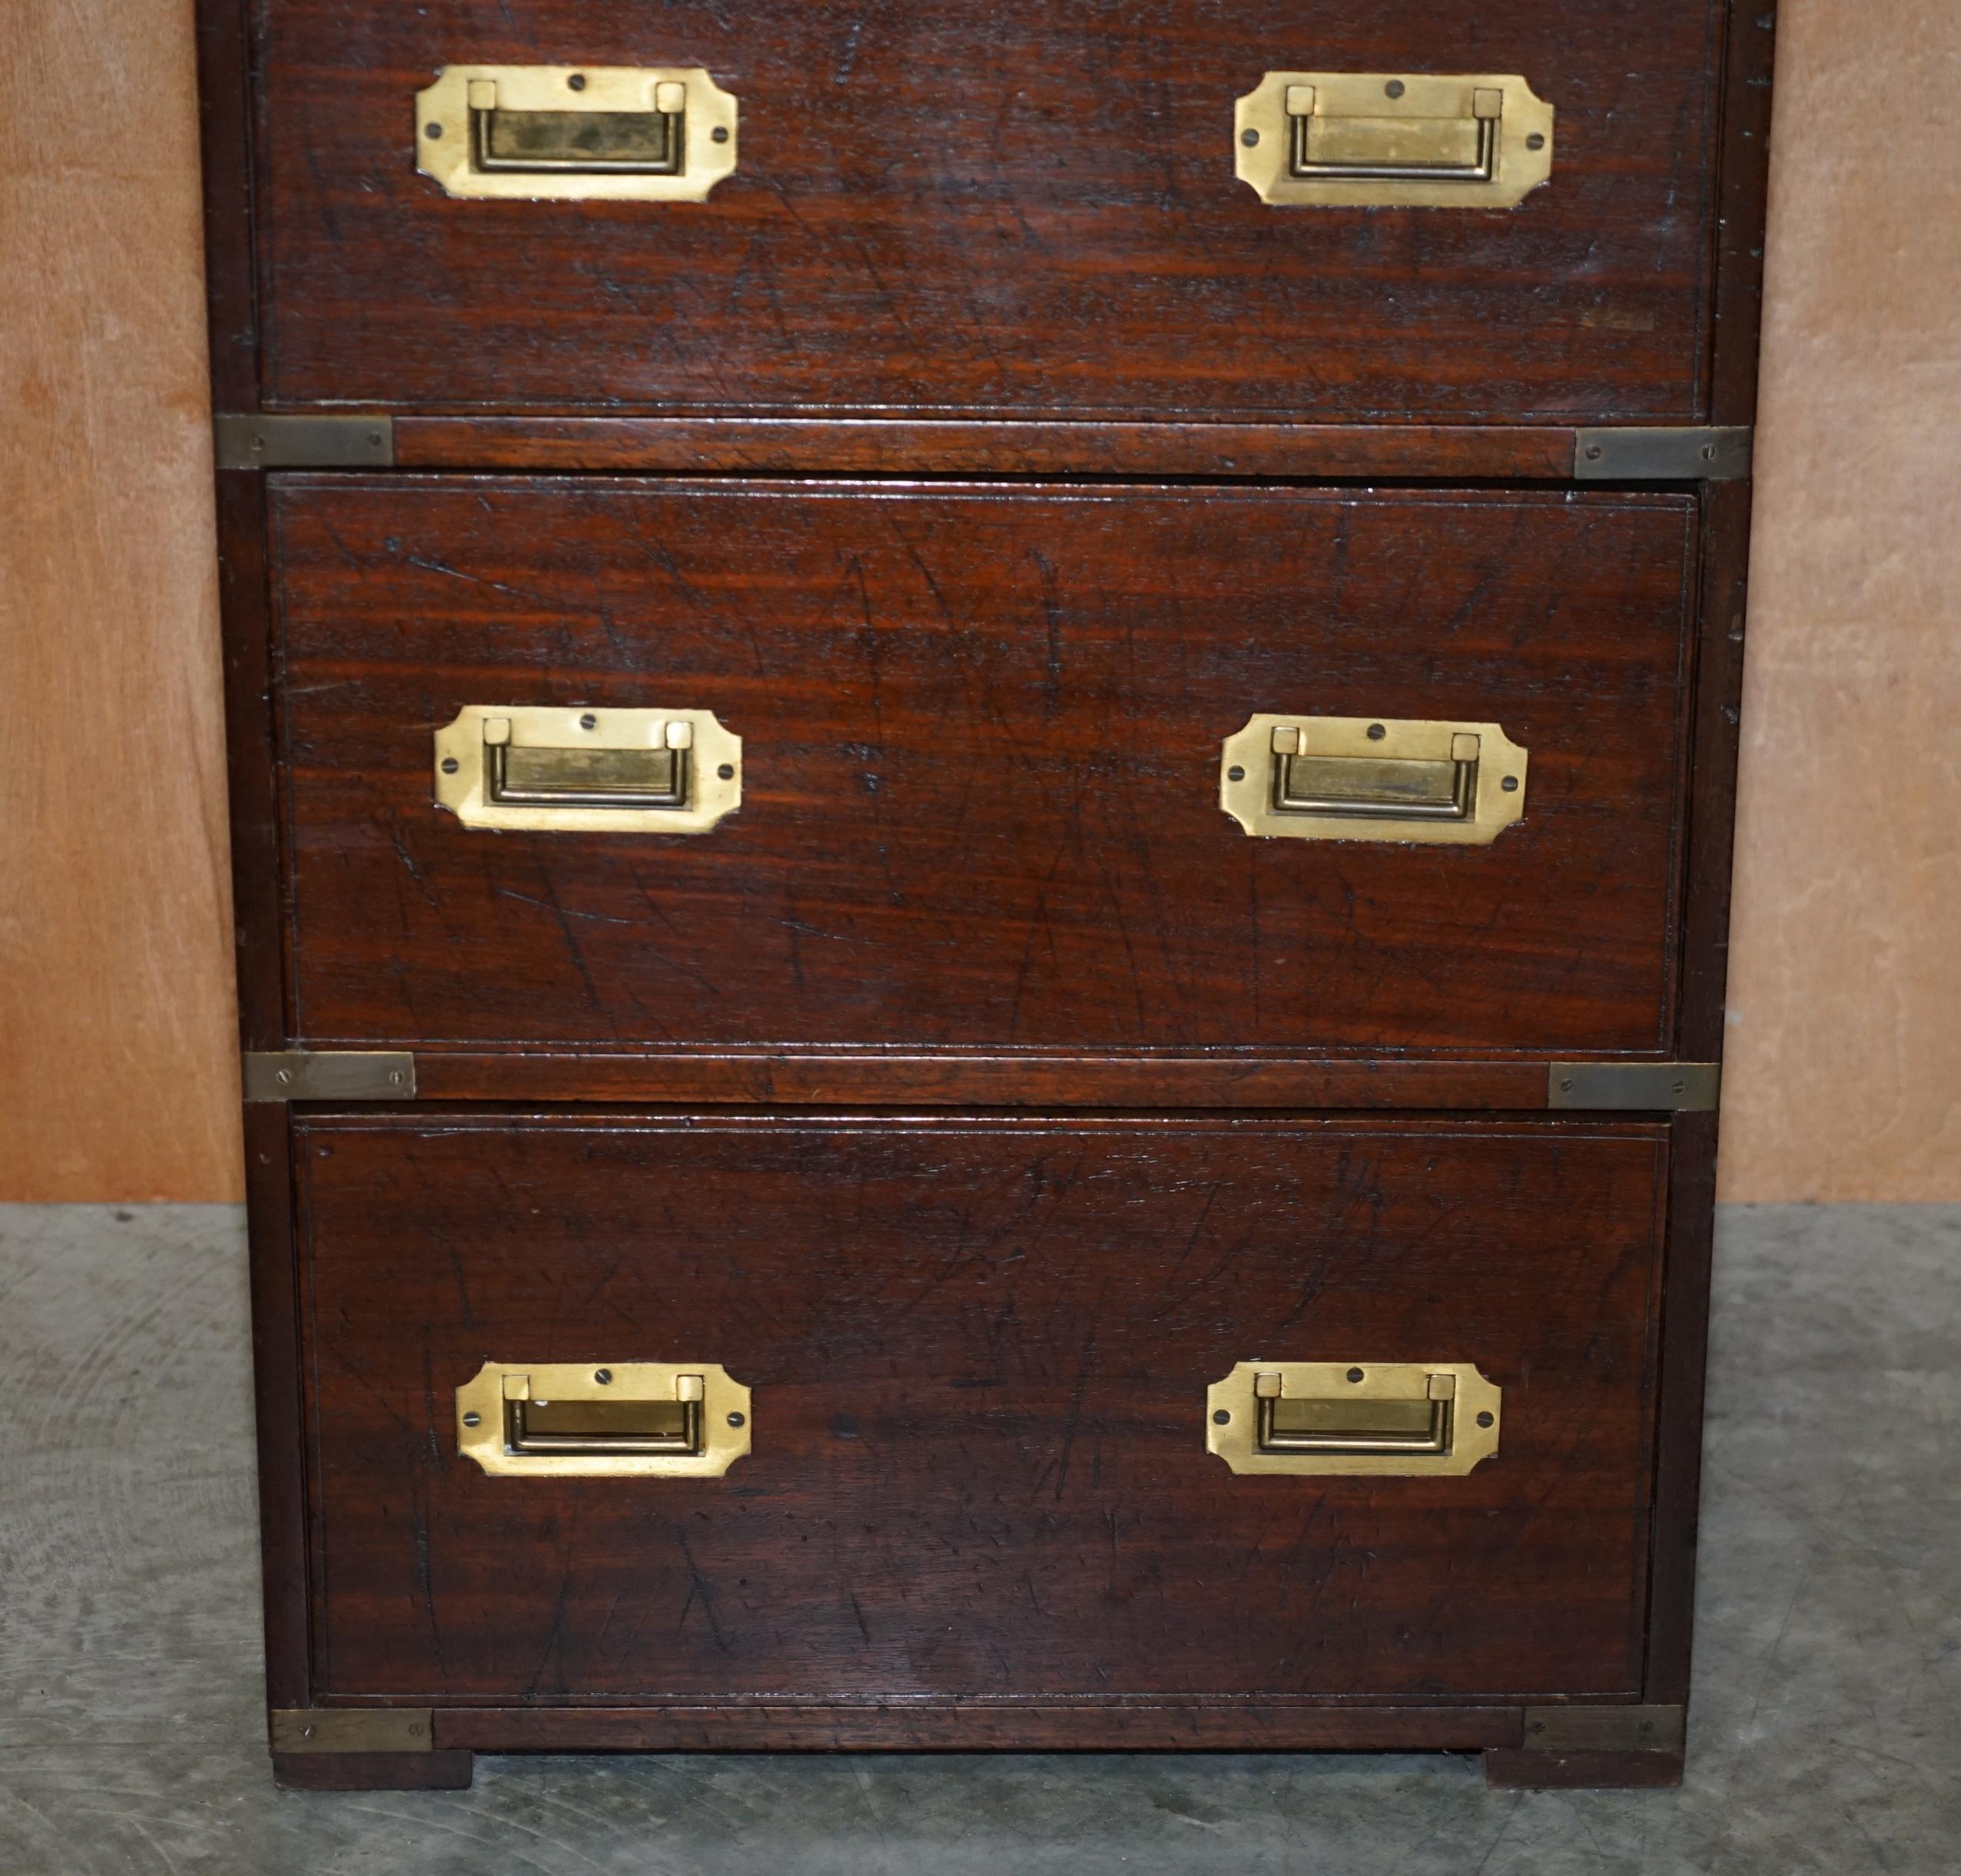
977	1355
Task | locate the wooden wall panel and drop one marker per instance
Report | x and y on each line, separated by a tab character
115	1022
116	1048
1845	988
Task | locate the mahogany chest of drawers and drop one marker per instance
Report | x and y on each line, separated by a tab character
982	761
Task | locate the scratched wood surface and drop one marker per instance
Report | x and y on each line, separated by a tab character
981	747
979	1351
1010	208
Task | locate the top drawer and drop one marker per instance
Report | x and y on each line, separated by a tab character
1020	208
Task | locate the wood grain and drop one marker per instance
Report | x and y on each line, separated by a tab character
995	1725
979	1351
779	446
981	734
115	1017
1010	210
1845	996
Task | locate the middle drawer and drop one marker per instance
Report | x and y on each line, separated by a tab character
984	766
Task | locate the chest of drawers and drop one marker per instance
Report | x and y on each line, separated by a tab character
982	762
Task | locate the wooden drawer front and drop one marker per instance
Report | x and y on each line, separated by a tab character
978	1353
981	751
1009	208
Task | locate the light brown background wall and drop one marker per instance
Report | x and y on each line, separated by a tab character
115	1024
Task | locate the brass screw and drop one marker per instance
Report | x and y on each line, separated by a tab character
1355	1374
603	1376
577	81
1535	142
1483	1420
1222	1418
1395	88
588	721
472	1420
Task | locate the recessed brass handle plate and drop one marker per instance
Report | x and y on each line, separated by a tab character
618	133
1376	140
614	1419
590	771
1393	1419
1372	778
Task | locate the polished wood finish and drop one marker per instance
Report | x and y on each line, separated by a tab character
1011	211
792	445
979	1350
278	1413
981	746
947	1078
1267	1726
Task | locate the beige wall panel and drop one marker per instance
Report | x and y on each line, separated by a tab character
1845	988
115	1016
116	1048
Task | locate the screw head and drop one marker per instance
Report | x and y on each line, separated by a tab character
603	1376
1222	1418
1485	1420
1355	1374
736	1419
1535	142
472	1420
1510	784
727	771
1594	452
1249	138
577	81
1376	732
432	130
719	134
450	765
1236	774
1395	87
588	721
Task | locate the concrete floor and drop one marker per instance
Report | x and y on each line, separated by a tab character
1823	1738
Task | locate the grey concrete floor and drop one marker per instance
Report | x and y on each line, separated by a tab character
1823	1736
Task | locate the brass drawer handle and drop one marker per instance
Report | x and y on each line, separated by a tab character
607	772
1372	778
627	1420
642	133
1372	140
1393	1418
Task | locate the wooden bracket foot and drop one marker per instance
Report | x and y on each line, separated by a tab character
372	1772
1508	1770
